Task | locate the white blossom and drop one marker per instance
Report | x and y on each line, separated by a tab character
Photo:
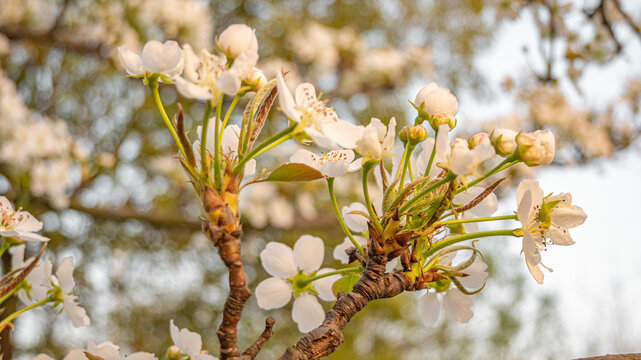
377	140
64	279
20	224
286	265
189	343
318	121
542	218
339	250
331	164
105	350
436	100
355	222
156	58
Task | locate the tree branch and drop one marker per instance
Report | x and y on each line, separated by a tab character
374	284
255	348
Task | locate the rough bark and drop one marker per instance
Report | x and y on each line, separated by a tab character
228	246
374	284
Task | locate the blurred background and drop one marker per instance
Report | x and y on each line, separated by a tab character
82	148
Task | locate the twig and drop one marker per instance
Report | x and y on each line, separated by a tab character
255	348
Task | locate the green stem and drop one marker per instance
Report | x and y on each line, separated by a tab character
341	221
9	318
153	85
13	291
348	270
5	245
458	238
217	130
426	191
500	167
368	203
432	155
203	137
406	162
272	141
463	221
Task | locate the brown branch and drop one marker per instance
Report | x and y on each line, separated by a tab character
636	356
255	348
374	284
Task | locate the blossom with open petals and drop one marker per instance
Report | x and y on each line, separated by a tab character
189	343
19	224
331	164
156	58
464	161
105	350
38	280
455	303
316	119
207	75
543	218
64	280
377	140
290	269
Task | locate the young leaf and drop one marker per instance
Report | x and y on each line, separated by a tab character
294	172
345	284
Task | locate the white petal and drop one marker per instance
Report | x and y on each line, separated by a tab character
76	354
345	134
306	95
229	82
141	356
560	236
192	62
250	168
458	305
285	98
309	252
65	275
532	257
29	236
476	275
486	207
75	312
131	61
388	142
568	216
188	342
164	58
191	90
324	285
17	256
308	158
205	357
43	357
524	207
273	293
355	222
535	189
244	63
428	309
278	260
26	222
307	312
229	140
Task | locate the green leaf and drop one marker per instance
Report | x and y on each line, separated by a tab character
294	172
346	283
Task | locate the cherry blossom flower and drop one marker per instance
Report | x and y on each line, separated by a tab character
236	39
106	350
207	75
542	218
189	343
166	59
316	119
377	140
289	269
228	144
19	224
38	279
436	100
64	280
536	148
455	303
331	164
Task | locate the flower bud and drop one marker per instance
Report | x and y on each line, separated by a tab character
256	79
442	119
432	101
504	141
536	148
236	39
413	134
173	353
477	139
